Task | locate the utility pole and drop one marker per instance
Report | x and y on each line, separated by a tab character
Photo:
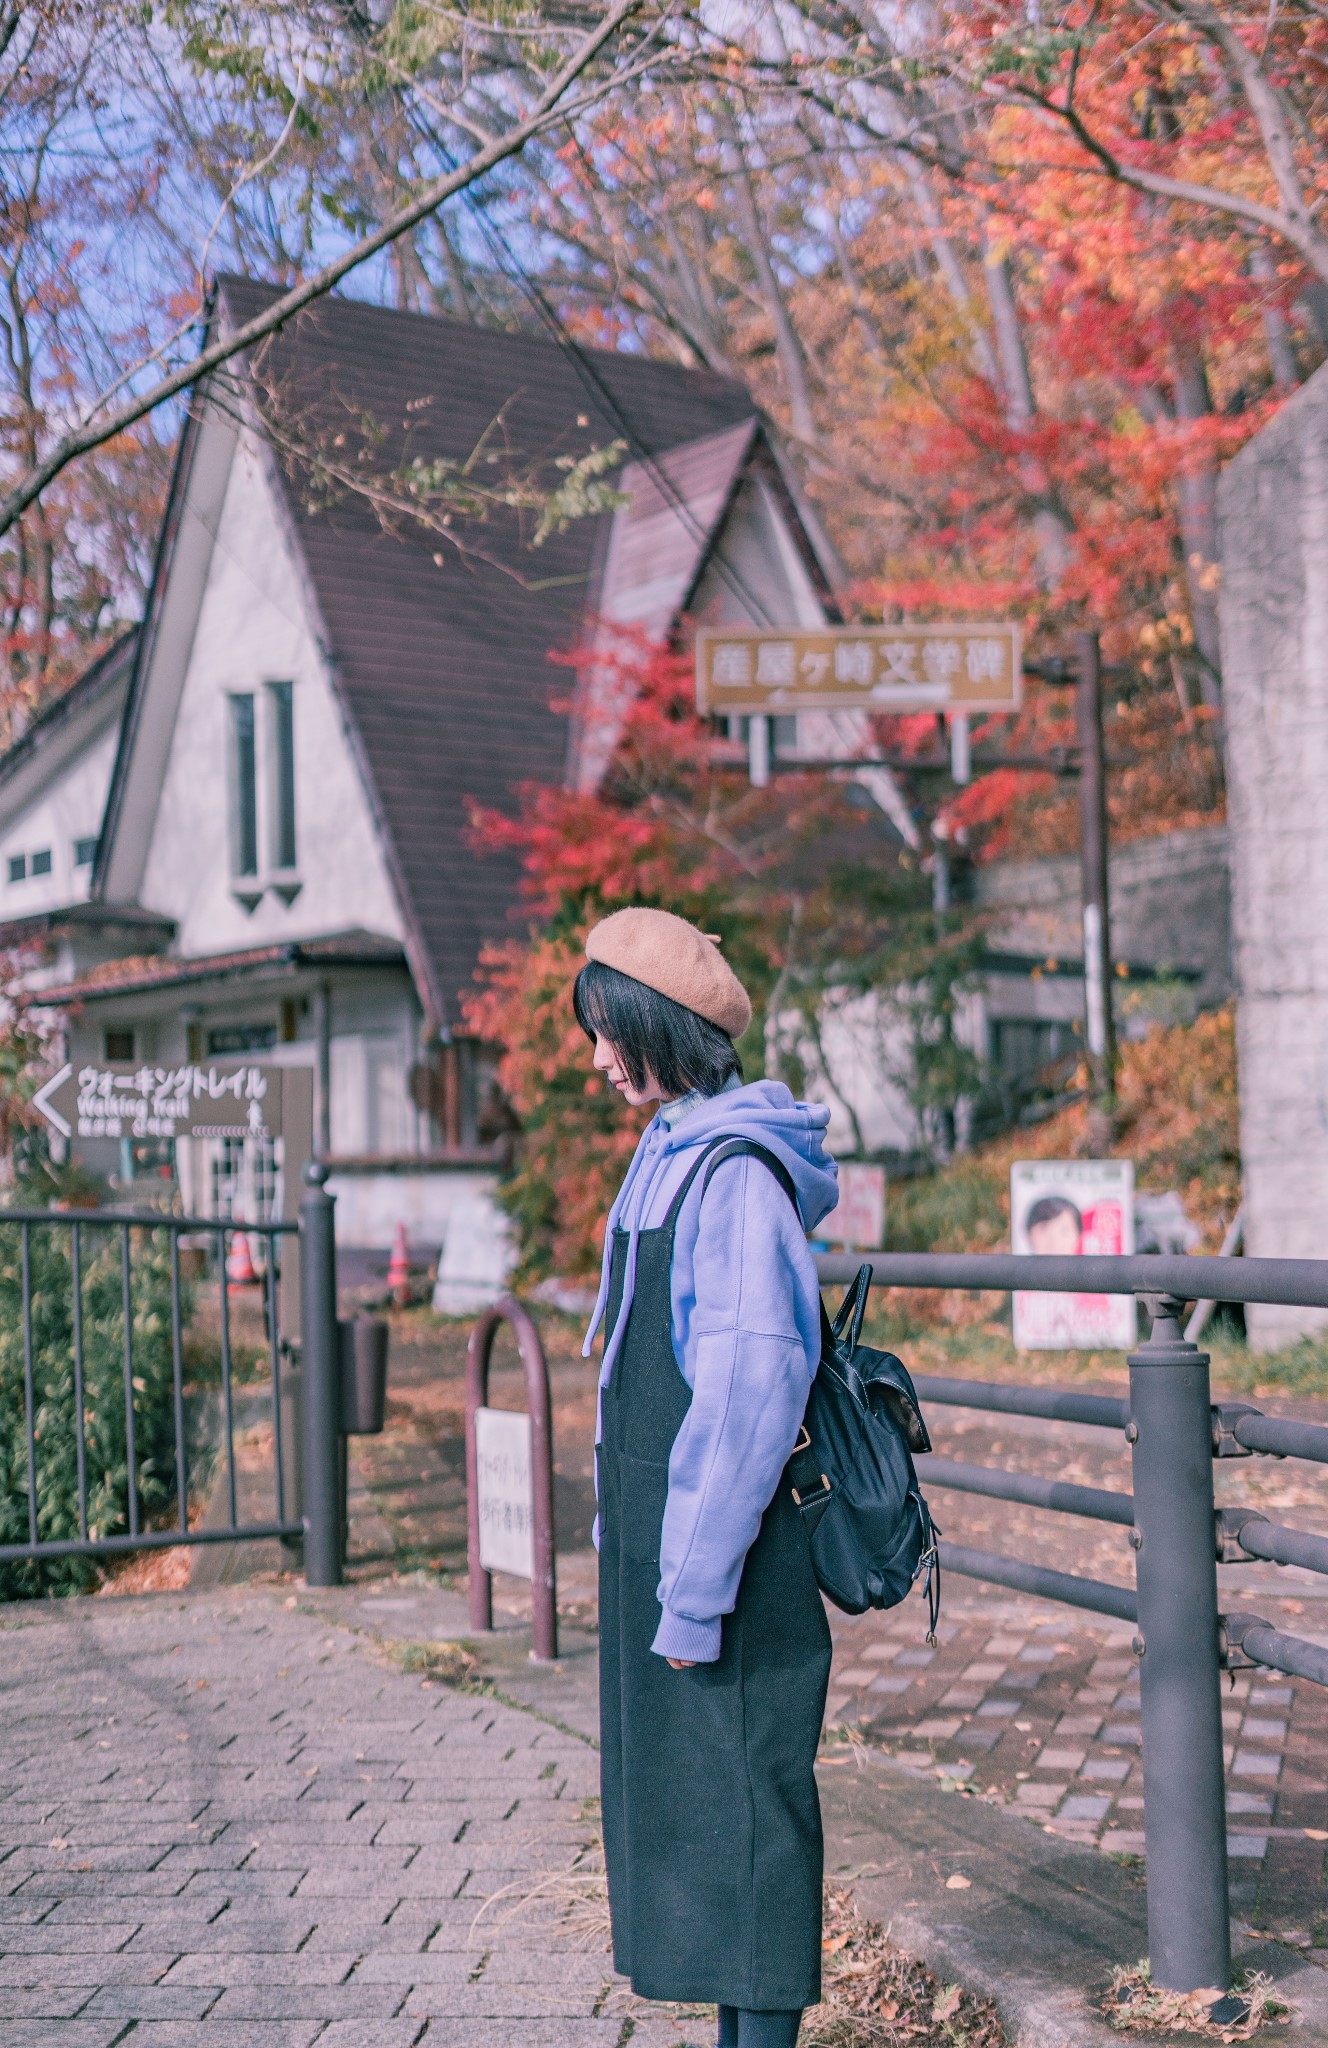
1100	1026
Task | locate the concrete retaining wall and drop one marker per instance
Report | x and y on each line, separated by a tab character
1274	531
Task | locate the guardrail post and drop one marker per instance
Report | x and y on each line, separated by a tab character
1185	1832
320	1383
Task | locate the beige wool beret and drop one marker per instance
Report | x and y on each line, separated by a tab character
676	960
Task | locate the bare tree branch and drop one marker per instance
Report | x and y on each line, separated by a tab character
552	107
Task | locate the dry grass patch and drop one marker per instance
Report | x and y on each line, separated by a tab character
875	1996
1136	2005
439	1663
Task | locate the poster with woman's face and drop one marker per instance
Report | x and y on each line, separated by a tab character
1066	1208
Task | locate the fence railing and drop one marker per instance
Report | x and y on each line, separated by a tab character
1182	1641
55	1258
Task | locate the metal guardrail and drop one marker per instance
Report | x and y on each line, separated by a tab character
1293	1283
89	1233
317	1518
1183	1643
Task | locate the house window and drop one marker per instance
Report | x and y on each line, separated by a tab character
18	866
119	1044
244	788
41	862
281	781
241	1038
85	852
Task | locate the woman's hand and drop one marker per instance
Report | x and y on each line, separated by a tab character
681	1663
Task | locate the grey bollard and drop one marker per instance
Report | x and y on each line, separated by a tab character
363	1375
320	1378
1185	1831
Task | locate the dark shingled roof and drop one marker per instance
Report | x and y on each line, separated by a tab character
137	973
445	670
109	671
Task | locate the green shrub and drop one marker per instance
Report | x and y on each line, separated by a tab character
51	1278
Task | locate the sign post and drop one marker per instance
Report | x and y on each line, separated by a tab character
1100	1029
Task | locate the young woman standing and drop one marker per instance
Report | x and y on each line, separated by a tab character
714	1647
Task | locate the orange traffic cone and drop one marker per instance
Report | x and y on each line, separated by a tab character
398	1269
240	1265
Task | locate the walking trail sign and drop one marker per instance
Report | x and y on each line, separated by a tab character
937	667
127	1101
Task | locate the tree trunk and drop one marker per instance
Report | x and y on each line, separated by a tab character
1196	500
1049	521
1281	355
950	268
788	348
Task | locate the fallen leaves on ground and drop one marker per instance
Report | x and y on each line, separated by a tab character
1135	2004
442	1663
875	1996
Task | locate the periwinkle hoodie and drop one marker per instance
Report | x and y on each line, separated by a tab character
746	1333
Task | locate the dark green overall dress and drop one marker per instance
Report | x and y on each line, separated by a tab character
712	1827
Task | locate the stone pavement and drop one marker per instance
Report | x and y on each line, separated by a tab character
225	1823
1015	1744
1037	1706
1038	1710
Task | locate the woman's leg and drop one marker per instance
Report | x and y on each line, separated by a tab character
767	2029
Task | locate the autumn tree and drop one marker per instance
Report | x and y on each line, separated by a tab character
813	898
1014	292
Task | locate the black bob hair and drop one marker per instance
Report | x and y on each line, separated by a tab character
1048	1207
654	1037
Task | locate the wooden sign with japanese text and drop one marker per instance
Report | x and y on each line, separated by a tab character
114	1100
939	667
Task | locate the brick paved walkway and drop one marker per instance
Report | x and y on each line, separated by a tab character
1023	1703
226	1824
1041	1713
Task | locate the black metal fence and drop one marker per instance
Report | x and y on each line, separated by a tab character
1182	1640
303	1487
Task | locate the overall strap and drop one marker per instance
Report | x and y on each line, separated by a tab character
729	1148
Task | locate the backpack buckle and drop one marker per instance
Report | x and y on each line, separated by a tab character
804	1442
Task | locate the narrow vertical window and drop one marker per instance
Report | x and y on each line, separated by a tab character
281	723
244	790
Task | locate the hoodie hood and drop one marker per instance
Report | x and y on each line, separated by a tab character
770	1113
766	1111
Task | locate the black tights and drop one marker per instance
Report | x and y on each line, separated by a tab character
758	2029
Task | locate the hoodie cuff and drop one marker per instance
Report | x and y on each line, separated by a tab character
696	1642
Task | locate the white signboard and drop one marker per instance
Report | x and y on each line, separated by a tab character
502	1464
858	1218
1064	1207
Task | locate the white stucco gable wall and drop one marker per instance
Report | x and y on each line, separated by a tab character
67	809
256	626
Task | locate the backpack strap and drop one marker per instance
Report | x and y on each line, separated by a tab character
730	1148
811	1488
809	1485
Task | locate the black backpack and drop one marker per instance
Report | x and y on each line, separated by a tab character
851	1473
